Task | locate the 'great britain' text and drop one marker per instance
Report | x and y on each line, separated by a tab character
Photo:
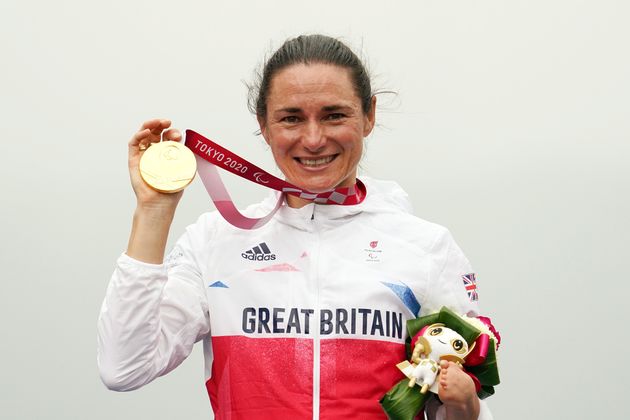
354	321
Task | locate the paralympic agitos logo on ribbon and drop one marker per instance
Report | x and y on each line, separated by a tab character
258	176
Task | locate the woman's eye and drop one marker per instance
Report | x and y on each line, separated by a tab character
335	116
291	119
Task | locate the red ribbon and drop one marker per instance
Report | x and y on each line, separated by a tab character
225	159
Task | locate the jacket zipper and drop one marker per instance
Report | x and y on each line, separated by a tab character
316	338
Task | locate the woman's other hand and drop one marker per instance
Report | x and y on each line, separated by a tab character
457	392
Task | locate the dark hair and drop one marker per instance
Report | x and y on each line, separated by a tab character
309	49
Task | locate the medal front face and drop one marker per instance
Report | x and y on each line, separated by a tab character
168	166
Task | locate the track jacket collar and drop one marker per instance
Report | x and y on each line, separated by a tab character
382	197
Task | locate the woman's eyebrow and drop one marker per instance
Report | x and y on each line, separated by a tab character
290	110
329	108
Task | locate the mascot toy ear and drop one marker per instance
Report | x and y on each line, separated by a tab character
421	348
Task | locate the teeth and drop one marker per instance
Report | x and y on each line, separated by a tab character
316	162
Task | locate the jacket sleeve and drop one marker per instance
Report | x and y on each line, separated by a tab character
151	317
446	285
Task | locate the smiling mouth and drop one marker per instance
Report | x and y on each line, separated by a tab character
441	341
315	162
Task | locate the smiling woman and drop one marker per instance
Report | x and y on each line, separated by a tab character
314	104
315	127
303	317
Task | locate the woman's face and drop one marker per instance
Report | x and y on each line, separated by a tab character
315	126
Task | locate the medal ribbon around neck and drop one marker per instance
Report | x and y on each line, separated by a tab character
210	155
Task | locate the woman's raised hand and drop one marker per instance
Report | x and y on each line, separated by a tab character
151	131
155	210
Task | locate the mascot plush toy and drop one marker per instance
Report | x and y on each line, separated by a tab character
469	342
432	344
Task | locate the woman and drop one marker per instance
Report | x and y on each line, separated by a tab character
315	326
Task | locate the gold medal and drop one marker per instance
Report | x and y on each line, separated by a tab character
168	166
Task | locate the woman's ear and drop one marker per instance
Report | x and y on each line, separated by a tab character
263	127
370	118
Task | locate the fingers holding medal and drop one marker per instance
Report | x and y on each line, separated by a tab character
152	131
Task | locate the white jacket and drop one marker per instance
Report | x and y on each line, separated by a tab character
303	318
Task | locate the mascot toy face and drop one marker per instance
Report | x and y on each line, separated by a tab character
441	343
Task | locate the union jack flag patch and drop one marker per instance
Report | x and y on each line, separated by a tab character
470	282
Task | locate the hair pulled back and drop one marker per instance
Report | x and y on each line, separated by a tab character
311	49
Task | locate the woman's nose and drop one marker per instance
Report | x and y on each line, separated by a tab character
313	138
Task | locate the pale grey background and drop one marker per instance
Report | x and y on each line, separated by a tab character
511	128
